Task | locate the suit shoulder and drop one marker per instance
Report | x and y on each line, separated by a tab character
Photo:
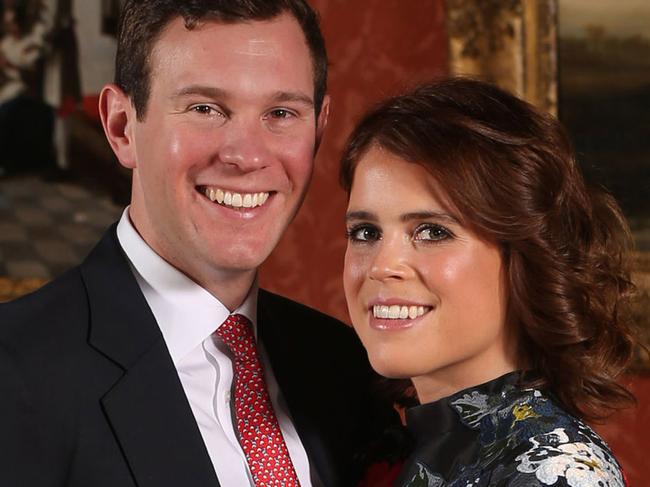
306	325
40	314
274	303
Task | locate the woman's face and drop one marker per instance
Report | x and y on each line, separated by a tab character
426	295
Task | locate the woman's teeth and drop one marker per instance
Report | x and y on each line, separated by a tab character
235	200
397	312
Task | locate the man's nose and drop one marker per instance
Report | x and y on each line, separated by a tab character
391	260
244	146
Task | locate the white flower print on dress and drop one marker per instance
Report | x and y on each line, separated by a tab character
472	407
553	455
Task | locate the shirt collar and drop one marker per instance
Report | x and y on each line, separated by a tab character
186	313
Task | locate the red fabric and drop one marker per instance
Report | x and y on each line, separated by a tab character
381	474
89	106
68	106
259	432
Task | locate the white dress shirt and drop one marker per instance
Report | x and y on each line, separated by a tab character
187	316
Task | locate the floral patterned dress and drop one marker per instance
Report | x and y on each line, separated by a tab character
498	434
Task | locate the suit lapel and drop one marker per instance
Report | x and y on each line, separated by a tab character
281	349
147	408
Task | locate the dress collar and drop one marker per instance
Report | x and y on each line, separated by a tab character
469	406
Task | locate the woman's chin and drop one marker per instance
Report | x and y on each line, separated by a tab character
390	368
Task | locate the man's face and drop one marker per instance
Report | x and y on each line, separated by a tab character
225	152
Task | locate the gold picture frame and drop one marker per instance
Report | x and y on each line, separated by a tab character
512	43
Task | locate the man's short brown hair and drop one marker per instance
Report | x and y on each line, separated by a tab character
143	21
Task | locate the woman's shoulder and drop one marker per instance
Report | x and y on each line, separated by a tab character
523	438
539	443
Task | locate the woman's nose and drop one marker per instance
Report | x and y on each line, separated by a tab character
391	261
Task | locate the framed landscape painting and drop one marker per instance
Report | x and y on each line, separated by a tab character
604	101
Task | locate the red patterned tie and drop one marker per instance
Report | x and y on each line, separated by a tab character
259	431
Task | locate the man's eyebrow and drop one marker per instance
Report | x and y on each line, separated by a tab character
213	92
208	91
292	96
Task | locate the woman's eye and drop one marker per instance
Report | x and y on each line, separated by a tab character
363	234
430	232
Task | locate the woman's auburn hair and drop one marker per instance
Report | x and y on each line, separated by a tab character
510	172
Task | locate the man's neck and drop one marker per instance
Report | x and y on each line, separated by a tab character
231	291
230	287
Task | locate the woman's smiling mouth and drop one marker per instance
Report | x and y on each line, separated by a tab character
395	315
399	312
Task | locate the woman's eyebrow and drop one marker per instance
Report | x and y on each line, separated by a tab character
406	217
360	215
425	215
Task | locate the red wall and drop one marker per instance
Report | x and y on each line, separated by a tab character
375	48
628	433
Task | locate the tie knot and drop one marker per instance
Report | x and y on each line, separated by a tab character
237	333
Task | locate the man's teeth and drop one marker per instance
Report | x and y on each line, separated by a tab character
397	312
236	200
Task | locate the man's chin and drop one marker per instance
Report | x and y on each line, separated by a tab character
240	262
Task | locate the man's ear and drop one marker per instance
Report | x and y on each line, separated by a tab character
323	117
118	118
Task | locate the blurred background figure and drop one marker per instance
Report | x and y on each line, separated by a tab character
50	83
60	185
61	79
26	122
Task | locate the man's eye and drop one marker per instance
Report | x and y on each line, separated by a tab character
363	233
205	110
281	113
429	232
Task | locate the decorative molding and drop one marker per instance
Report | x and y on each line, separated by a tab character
512	43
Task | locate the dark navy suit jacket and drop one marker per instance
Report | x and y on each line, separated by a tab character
89	396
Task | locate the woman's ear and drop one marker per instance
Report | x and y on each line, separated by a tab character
118	118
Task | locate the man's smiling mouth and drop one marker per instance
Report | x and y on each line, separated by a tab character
231	199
